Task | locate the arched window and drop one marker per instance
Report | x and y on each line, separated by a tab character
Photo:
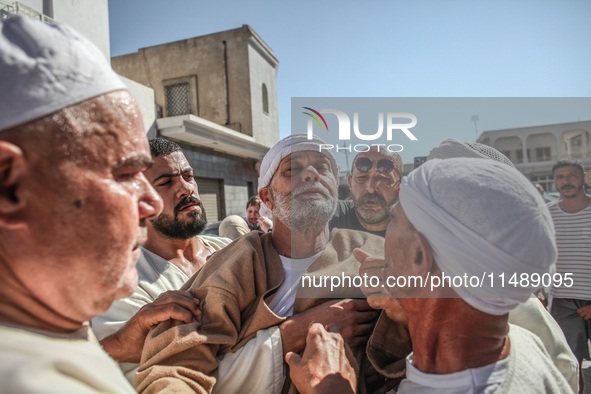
265	100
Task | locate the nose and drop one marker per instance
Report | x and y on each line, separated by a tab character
149	203
185	189
310	174
372	185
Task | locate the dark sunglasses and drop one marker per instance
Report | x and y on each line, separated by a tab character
364	164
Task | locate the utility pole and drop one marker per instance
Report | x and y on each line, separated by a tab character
475	120
346	156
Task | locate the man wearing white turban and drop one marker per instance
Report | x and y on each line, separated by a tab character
467	217
251	285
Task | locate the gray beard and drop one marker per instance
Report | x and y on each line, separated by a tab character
304	215
372	217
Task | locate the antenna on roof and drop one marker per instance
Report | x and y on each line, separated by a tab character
475	120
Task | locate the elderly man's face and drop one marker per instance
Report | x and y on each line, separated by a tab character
569	181
304	191
183	216
253	213
88	218
373	192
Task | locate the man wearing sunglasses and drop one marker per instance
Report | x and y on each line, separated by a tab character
374	181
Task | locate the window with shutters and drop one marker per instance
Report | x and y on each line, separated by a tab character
210	194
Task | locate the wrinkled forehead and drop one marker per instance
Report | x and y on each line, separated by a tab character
172	162
567	170
306	155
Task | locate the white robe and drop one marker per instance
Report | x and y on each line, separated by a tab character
33	363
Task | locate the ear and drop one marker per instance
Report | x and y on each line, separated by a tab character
12	172
349	179
265	196
423	257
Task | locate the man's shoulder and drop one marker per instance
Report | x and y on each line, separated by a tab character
71	365
343	216
554	207
216	242
247	253
530	367
345	206
355	235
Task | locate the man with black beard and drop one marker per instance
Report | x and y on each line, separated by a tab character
374	181
174	251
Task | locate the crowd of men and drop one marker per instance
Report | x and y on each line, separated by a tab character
100	225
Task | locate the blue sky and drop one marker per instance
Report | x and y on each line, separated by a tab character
539	48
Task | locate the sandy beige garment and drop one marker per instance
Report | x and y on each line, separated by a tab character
235	287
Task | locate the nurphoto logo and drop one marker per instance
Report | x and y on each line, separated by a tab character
345	129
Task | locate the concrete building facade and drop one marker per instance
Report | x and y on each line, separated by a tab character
218	98
534	150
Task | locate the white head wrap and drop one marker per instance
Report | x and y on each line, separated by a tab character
44	68
481	217
284	148
453	148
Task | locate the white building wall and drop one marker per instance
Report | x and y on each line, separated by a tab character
236	198
262	69
145	98
89	17
37	5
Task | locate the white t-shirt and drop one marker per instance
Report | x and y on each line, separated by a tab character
34	363
293	269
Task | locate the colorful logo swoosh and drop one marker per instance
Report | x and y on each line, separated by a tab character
315	118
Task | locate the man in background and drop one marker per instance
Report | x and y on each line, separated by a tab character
374	180
234	226
571	213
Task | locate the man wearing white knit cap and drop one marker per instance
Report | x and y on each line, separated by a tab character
530	315
251	285
73	206
468	217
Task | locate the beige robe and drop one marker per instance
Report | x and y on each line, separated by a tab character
235	287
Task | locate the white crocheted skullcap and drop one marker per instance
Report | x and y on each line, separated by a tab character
451	147
481	217
47	67
284	148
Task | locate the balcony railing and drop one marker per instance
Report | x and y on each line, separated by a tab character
17	8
